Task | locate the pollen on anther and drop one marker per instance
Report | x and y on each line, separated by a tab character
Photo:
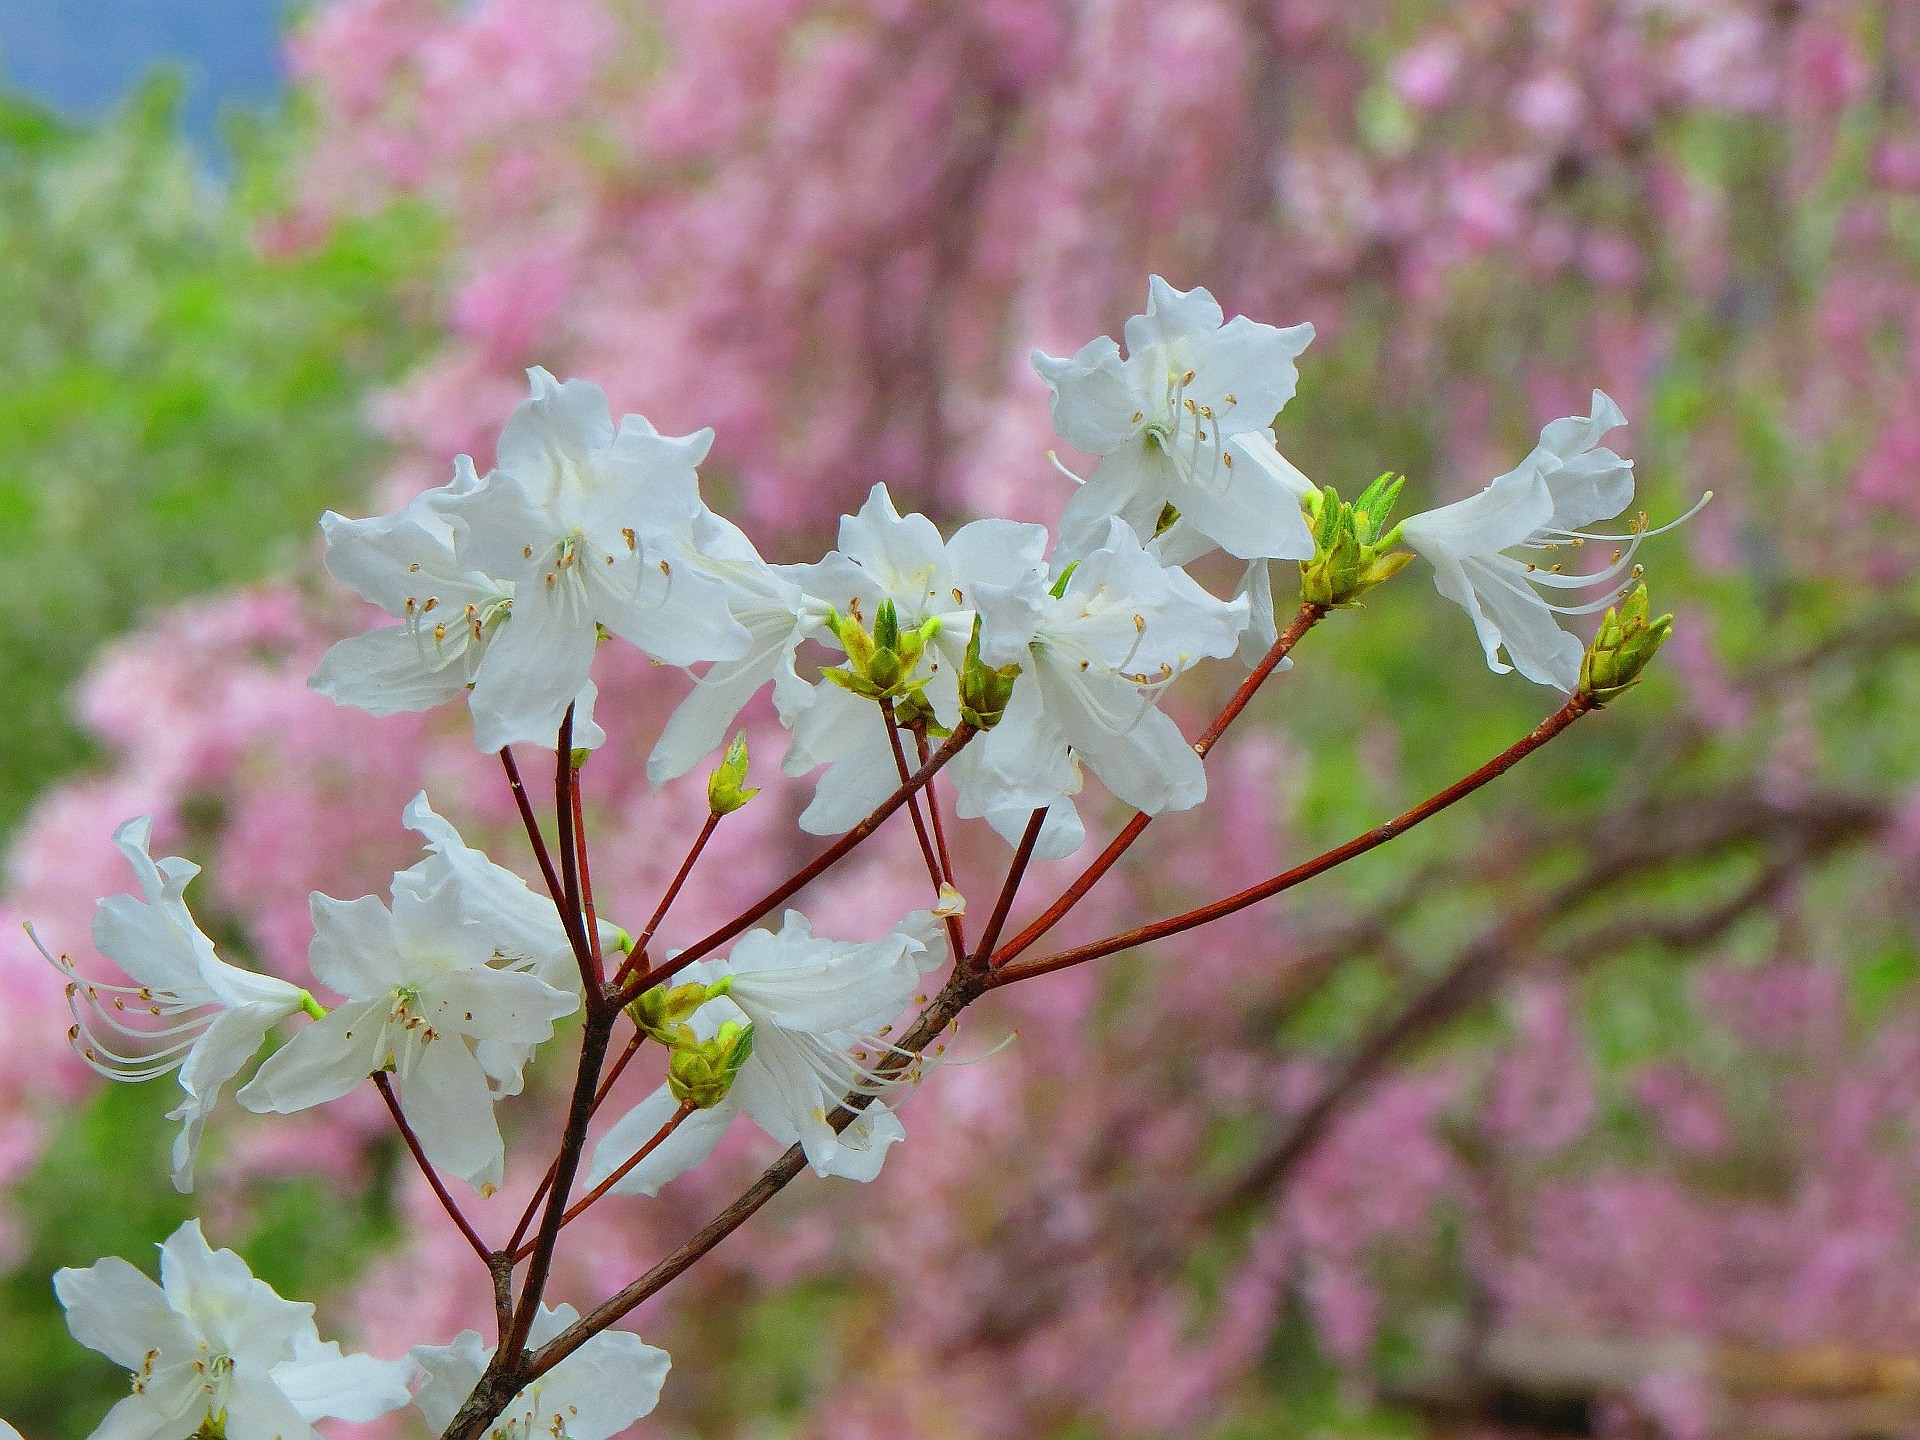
526	553
626	533
414	568
1138	416
666	569
1227	460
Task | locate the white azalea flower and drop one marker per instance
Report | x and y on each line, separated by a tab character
449	614
1160	420
187	1010
592	528
211	1344
884	556
524	927
1094	658
595	1393
417	987
816	1007
772	604
1539	508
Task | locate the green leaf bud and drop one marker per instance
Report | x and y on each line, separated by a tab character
701	1073
726	786
1353	550
984	689
1627	641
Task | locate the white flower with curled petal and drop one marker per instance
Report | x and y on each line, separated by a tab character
1539	508
524	927
213	1349
591	526
186	1010
772	603
1095	651
1160	420
449	613
816	1007
612	1380
418	987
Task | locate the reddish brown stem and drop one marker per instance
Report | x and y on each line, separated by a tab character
687	1107
637	959
956	938
925	752
384	1084
1308	616
534	837
591	920
959	991
806	874
965	985
565	780
594	1035
1022	857
606	1084
1579	705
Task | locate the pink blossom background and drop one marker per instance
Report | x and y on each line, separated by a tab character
1650	1161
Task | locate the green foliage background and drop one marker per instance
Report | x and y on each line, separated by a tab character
179	406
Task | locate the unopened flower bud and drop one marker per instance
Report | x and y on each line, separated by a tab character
881	665
984	689
701	1072
663	1013
1353	551
726	786
1626	643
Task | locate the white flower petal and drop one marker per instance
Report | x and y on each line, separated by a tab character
692	1141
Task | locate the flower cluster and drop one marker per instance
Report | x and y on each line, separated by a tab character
1032	660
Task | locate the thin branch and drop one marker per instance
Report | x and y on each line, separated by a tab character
1307	617
807	873
687	1107
637	959
925	752
1022	857
607	1082
384	1084
1546	730
594	1036
565	779
534	837
956	938
960	991
589	919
